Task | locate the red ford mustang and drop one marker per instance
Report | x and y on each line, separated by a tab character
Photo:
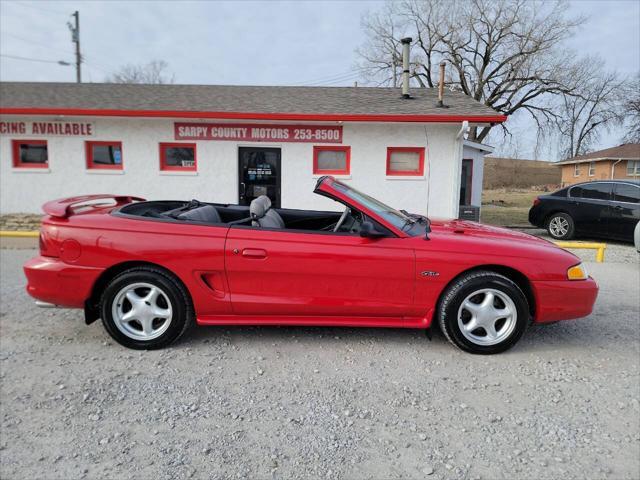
151	269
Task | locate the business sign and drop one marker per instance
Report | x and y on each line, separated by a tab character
243	132
63	129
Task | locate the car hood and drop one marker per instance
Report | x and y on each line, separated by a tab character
465	227
478	243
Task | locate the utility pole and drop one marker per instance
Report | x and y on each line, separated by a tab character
75	38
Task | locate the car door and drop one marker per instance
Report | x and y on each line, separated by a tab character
590	207
285	272
625	210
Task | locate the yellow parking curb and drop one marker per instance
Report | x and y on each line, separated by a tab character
599	247
18	234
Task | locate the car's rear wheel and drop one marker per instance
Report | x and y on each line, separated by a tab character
145	308
561	226
483	312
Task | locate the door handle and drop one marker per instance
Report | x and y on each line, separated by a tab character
617	207
243	189
254	253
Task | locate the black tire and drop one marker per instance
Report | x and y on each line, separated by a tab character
461	289
175	295
561	219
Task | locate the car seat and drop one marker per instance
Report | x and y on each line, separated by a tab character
205	214
262	215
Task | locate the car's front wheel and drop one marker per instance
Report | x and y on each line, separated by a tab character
561	226
483	312
145	308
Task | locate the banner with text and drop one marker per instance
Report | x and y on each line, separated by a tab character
65	129
259	132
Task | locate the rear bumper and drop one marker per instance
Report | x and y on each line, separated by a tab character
53	281
536	216
564	300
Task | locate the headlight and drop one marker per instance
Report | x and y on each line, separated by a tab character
577	272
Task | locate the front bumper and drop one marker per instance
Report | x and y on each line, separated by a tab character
564	300
53	281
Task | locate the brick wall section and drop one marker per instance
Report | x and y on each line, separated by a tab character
602	172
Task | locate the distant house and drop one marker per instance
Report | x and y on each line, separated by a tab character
622	162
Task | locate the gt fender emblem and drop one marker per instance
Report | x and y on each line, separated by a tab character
429	273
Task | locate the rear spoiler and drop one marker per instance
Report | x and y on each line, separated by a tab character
63	207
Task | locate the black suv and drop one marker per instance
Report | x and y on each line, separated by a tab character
607	208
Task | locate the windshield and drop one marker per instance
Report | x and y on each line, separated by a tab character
391	215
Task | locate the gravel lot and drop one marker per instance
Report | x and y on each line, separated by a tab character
321	402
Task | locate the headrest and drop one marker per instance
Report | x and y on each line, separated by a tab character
259	206
206	213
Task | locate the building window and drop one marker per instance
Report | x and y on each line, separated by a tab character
178	157
407	161
576	169
592	169
30	154
331	160
633	167
104	155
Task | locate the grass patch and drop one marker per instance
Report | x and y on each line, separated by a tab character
507	206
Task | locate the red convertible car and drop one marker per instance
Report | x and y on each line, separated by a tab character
150	269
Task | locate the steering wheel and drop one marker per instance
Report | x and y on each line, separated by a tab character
343	217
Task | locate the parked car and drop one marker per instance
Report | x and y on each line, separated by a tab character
607	209
151	269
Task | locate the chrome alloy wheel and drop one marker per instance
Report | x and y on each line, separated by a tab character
558	226
142	311
487	317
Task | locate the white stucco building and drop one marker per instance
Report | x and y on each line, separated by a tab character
230	144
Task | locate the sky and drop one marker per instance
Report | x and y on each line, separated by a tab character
251	42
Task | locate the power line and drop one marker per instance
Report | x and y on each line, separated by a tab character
29	59
327	77
17	37
48	10
99	65
93	65
352	76
333	78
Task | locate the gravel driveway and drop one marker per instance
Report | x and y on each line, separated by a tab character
320	402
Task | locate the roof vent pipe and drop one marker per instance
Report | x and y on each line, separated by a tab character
441	86
406	44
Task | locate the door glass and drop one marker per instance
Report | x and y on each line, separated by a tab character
259	174
596	191
626	193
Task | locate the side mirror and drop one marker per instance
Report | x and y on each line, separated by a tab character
368	230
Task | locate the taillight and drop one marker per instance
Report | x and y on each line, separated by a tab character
536	201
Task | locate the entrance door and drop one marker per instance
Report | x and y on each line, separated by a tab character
259	174
466	176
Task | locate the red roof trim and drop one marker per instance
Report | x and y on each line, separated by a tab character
329	117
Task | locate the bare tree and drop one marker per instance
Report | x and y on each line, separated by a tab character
591	109
154	72
506	54
631	111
